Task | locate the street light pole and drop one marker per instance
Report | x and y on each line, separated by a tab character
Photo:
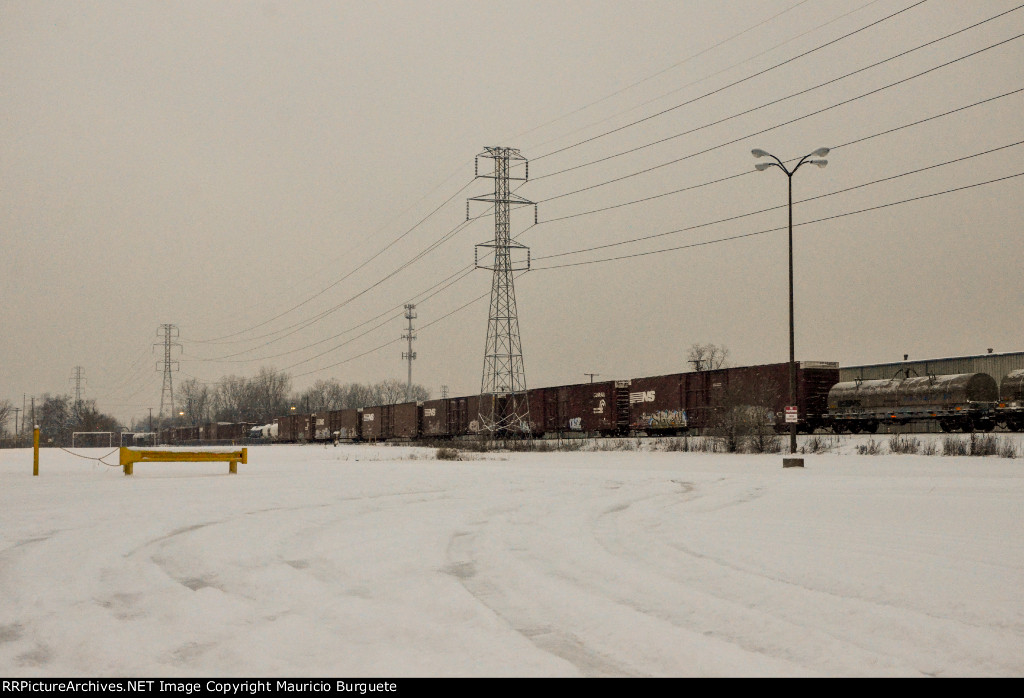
760	167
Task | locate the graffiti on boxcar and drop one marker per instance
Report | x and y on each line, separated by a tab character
664	419
576	423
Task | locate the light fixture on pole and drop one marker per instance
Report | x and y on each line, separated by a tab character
760	167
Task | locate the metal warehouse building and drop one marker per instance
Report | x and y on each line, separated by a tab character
995	365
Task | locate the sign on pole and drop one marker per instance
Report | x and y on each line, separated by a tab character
791	415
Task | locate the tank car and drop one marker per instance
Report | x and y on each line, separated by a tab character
956	401
1010	412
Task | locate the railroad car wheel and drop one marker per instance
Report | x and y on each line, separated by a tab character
871	427
984	424
854	427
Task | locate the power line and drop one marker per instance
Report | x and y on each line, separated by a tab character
784	123
772	230
747	172
708	77
430	248
775	101
705	243
343	278
292	329
665	70
773	208
732	84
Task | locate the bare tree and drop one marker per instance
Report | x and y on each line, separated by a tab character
744	415
268	393
707	357
392	391
54	417
194	399
231	399
324	395
420	393
5	414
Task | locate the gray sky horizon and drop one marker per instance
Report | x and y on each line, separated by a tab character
279	179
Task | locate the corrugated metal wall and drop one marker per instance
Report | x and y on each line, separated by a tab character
995	365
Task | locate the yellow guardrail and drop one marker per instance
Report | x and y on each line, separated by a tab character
130	456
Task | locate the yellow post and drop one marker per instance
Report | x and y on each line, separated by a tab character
35	451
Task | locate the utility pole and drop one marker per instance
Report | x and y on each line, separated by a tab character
591	376
504	405
17	434
169	333
410	315
444	392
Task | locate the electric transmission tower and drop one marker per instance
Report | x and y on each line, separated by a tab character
410	315
504	406
78	379
169	333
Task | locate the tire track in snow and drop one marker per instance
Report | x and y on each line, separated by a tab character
546	637
722	591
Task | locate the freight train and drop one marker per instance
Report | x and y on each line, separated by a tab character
677	403
657	405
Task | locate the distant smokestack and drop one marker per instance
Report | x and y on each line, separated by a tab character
990	350
906	356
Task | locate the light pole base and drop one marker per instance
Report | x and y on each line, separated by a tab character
792	462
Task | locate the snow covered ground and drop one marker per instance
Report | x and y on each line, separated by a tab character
362	561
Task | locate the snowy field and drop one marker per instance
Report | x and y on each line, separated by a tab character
357	561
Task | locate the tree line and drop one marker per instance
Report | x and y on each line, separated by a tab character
269	394
235	399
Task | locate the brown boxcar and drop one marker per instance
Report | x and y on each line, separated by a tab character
657	404
405	422
284	428
344	424
383	422
473	423
436	418
445	417
228	431
373	418
590	408
680	401
293	427
320	427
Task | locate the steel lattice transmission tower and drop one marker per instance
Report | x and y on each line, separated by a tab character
169	333
78	379
504	406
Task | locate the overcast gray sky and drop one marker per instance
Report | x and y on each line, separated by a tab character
230	167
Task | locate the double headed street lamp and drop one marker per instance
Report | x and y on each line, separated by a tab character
761	166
